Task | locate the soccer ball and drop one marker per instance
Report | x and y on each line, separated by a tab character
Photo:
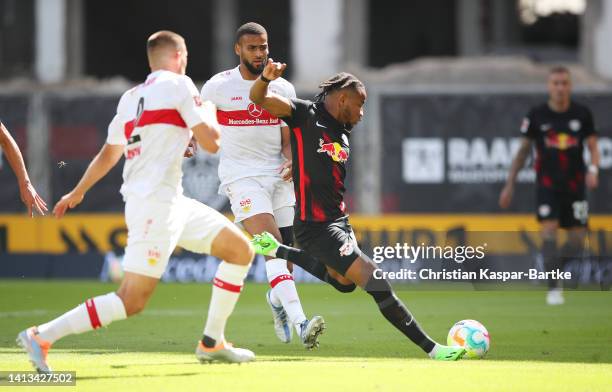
472	336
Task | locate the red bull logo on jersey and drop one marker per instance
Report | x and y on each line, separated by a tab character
560	141
334	150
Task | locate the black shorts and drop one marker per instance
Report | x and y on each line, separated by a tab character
570	209
332	243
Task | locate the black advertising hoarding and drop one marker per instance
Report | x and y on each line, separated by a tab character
77	129
441	153
451	153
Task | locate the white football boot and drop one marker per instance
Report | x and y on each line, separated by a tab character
283	330
223	352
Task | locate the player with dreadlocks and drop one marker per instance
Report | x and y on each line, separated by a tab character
320	149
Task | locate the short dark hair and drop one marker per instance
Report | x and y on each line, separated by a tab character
250	28
559	69
163	39
338	82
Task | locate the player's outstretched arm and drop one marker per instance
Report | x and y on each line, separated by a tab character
517	164
208	133
106	159
275	104
29	196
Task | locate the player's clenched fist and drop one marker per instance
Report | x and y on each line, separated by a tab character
69	200
273	70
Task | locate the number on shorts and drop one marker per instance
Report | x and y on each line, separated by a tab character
581	210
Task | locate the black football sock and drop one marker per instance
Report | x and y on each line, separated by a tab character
551	258
312	266
397	314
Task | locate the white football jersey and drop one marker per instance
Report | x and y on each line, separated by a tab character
250	136
153	122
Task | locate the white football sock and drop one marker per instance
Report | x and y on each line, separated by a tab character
226	290
284	291
94	313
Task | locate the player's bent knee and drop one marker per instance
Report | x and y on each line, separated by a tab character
345	288
243	254
135	291
133	304
134	308
338	277
339	282
232	246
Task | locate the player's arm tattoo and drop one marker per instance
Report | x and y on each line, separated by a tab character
519	160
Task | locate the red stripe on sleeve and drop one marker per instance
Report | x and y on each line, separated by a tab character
280	278
128	128
93	314
227	286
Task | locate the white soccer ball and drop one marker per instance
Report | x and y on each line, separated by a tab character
471	335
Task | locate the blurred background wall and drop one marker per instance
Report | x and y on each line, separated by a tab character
448	84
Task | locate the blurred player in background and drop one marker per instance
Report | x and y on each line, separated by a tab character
29	197
152	129
255	174
320	146
559	128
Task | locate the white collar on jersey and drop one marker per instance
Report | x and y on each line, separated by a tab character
155	74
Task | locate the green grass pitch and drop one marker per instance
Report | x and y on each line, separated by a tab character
533	347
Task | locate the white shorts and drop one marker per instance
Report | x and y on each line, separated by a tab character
156	228
262	195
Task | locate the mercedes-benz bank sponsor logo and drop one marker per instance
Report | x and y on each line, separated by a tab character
463	160
254	110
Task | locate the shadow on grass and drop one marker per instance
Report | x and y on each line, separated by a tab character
277	359
139	365
325	355
138	376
